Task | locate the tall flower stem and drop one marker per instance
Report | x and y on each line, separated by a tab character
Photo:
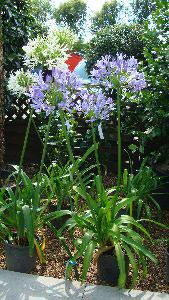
38	134
119	137
70	152
24	148
45	144
96	150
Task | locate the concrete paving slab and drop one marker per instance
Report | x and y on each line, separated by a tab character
99	292
19	286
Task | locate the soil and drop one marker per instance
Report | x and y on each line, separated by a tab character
56	259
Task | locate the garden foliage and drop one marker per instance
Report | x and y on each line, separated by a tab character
115	39
142	9
104	217
18	24
154	112
107	16
41	10
72	13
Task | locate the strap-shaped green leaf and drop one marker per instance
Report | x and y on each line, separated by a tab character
130	232
85	241
140	247
121	204
57	214
87	259
125	219
87	153
133	263
20	223
29	224
155	203
121	264
154	222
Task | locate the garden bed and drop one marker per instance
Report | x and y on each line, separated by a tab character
56	259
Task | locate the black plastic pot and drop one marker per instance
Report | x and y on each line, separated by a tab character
59	222
107	268
18	258
123	211
167	265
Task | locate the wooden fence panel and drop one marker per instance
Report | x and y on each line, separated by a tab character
16	120
14	138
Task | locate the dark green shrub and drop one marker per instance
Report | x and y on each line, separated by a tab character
18	24
154	100
110	40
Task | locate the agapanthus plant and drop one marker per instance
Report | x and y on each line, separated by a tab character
46	52
63	91
58	91
20	81
118	72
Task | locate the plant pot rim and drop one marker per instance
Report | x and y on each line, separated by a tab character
109	252
105	254
7	243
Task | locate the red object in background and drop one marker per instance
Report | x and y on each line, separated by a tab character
73	61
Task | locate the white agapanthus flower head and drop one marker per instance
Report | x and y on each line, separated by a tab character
65	36
46	51
20	81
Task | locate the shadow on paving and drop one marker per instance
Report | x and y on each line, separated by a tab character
17	286
109	293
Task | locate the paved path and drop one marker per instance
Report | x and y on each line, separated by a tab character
17	286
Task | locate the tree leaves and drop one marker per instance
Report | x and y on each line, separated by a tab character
72	13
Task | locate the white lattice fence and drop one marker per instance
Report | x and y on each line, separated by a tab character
19	110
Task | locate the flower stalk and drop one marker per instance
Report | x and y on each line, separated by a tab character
45	144
119	137
96	150
24	148
70	152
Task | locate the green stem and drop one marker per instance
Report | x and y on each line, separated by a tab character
82	185
119	136
37	131
45	145
43	154
24	148
96	150
131	209
69	148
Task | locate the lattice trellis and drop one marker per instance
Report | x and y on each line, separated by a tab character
19	110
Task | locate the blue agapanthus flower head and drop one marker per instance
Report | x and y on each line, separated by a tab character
56	91
64	90
94	105
118	72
